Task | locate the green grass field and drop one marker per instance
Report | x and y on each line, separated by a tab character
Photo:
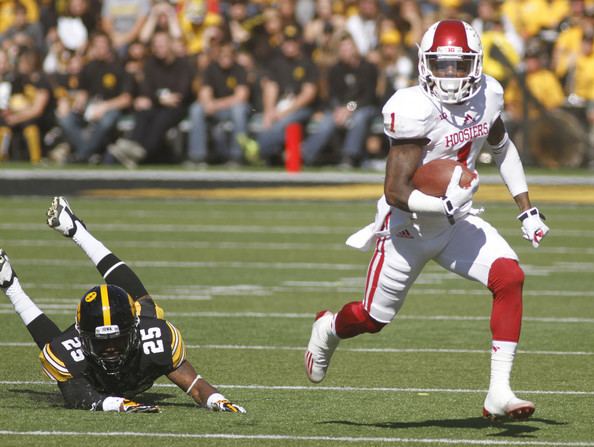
242	281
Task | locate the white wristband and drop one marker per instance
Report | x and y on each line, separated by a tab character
112	403
189	390
214	397
419	202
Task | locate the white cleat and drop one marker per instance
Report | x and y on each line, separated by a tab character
513	408
7	274
322	344
61	218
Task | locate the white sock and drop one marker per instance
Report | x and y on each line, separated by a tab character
23	305
502	360
93	248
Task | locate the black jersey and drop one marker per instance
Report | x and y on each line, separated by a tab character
224	81
161	350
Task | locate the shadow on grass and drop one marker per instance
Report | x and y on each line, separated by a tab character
54	399
508	428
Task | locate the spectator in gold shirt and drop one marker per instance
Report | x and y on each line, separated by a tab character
541	83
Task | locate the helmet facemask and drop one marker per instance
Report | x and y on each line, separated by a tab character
450	62
109	347
451	78
107	322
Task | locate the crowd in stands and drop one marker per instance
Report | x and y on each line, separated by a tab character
201	82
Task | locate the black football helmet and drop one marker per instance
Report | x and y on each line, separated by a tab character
107	323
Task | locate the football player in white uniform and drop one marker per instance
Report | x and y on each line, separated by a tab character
453	111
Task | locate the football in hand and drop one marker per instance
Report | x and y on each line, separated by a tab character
434	177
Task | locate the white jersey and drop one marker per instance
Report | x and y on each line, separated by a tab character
404	241
452	131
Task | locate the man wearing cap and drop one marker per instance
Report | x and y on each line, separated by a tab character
352	105
289	92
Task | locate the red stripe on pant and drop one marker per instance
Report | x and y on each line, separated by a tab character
372	287
373	273
354	319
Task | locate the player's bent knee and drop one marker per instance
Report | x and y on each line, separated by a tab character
353	320
505	274
374	326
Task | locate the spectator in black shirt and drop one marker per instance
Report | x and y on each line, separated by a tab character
165	93
104	91
289	93
29	110
222	98
351	83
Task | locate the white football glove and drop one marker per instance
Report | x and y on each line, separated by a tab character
458	200
121	405
218	402
533	227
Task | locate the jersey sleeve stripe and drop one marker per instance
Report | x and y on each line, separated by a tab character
53	359
49	368
178	349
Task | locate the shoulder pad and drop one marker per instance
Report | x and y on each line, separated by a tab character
53	366
178	347
407	114
494	91
147	308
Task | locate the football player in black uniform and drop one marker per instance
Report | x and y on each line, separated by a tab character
120	342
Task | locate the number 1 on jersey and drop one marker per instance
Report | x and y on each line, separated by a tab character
463	153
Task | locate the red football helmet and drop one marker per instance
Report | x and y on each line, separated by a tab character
450	61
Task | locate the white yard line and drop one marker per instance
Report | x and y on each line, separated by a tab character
64	309
204	264
264	245
304	438
251	229
350	389
431	274
343	349
206	291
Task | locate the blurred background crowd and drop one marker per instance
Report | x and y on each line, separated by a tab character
203	82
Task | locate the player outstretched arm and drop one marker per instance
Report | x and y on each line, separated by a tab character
510	167
203	393
78	393
61	218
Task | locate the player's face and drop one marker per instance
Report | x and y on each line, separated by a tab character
450	67
111	353
111	348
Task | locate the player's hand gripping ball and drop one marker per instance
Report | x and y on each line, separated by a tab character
434	177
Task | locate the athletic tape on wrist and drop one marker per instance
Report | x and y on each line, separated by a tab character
189	390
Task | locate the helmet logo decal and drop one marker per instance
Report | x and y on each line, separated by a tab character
107	331
90	297
105	305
